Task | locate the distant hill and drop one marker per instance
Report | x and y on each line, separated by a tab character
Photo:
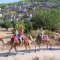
29	1
42	0
8	4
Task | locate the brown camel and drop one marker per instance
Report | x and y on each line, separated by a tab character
25	42
39	40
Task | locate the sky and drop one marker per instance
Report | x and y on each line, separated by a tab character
8	1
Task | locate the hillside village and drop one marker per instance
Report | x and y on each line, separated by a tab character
24	10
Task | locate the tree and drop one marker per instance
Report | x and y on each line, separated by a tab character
3	5
25	24
28	26
38	19
48	19
7	24
20	24
13	23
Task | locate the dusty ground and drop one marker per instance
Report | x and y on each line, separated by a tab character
22	54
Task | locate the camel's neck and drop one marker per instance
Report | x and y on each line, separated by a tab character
31	37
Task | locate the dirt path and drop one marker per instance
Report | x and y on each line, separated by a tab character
43	54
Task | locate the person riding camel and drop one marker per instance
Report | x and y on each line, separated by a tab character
21	35
16	32
42	32
14	39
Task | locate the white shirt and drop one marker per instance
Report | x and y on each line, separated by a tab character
16	31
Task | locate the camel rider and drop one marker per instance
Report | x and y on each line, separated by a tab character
21	35
42	32
14	39
16	33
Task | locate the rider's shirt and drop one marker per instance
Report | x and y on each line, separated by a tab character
14	38
16	31
42	32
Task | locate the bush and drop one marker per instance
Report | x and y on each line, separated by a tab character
49	33
20	24
34	33
7	24
48	19
13	23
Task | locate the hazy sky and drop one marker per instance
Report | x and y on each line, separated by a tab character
8	1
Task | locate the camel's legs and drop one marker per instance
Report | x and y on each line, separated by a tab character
26	43
2	41
35	47
47	44
15	49
39	46
11	48
29	46
50	44
26	46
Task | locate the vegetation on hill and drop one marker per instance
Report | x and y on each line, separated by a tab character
8	4
16	3
48	19
42	0
3	5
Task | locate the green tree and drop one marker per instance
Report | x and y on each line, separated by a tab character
7	24
3	5
47	19
28	26
13	23
20	24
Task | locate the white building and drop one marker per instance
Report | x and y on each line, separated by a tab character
0	15
0	9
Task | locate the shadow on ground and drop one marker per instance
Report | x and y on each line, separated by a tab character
5	54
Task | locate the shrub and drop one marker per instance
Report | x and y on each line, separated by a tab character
49	33
7	24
